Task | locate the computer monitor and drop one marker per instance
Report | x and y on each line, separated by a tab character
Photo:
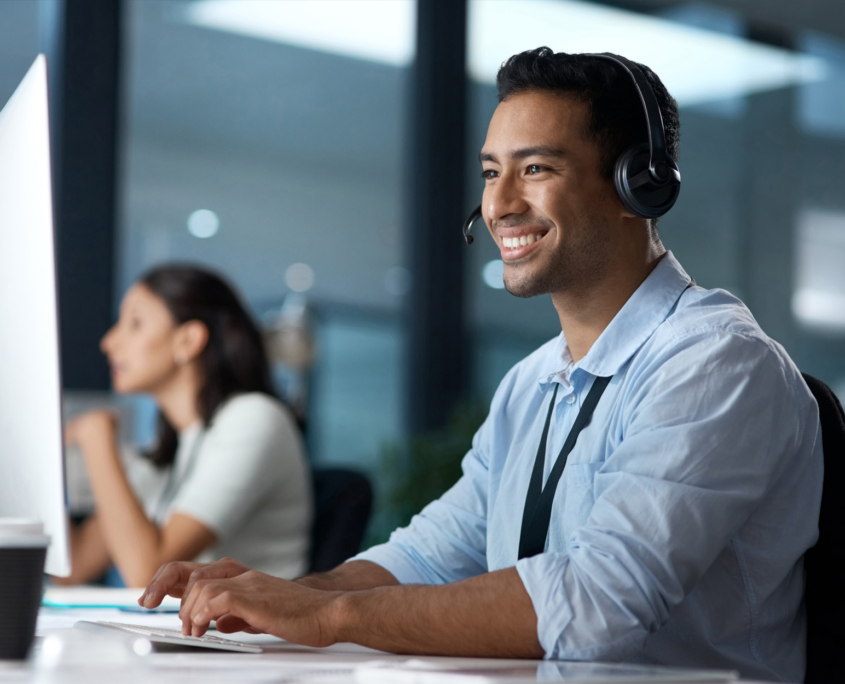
31	446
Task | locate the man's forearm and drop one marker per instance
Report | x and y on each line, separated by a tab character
487	616
351	576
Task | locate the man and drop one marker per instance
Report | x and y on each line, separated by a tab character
678	528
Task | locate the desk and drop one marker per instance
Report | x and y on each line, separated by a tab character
63	655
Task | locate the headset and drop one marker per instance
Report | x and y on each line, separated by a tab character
647	179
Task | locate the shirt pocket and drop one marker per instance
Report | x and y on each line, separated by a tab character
578	497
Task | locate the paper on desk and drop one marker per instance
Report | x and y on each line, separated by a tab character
97	597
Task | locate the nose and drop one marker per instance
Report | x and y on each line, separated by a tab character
107	342
503	198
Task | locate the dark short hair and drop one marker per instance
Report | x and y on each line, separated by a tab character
617	120
233	360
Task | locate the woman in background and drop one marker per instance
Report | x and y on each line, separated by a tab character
235	480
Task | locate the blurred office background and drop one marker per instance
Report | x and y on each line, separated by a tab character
321	154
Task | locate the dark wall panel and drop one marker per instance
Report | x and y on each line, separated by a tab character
437	350
86	102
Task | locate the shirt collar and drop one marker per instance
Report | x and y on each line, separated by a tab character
636	321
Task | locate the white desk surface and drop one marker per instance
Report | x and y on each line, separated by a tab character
63	655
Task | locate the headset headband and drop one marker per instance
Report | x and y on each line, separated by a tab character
653	118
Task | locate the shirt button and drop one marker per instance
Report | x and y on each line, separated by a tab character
570	399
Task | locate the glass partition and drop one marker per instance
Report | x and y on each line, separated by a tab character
265	139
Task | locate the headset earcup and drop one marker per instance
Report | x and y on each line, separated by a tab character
649	200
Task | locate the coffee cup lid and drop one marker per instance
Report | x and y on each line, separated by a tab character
22	532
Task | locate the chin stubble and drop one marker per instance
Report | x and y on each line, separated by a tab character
575	264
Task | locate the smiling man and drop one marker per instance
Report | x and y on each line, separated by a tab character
675	532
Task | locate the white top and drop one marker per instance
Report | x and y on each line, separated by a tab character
245	477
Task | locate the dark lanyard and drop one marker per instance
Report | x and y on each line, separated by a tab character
538	503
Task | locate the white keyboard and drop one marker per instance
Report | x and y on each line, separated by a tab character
170	636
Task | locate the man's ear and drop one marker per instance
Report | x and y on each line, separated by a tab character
191	338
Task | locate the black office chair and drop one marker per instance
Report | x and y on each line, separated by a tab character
342	503
825	562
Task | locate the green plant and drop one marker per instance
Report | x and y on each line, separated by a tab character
416	475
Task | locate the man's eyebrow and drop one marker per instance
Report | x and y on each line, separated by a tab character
525	152
537	151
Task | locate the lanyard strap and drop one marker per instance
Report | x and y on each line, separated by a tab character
538	503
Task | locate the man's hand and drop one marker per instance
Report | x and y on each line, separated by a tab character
490	615
178	578
256	602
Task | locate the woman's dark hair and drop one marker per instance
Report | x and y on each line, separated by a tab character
617	120
233	360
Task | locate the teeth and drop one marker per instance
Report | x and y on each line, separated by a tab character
521	241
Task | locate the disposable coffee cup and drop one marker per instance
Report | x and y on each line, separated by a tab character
23	548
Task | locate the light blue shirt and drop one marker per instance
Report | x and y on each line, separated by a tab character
685	508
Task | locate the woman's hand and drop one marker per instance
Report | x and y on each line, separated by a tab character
94	428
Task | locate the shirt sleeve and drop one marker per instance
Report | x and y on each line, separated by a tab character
709	429
250	445
447	541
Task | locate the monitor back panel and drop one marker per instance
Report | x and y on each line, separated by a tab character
31	464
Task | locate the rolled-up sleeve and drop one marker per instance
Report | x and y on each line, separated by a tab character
706	433
447	541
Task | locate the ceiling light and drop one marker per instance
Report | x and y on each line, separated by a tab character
697	65
299	277
366	29
819	298
493	274
203	223
819	309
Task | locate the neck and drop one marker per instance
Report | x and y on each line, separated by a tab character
177	398
585	314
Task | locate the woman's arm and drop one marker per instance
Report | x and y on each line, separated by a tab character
136	545
89	557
